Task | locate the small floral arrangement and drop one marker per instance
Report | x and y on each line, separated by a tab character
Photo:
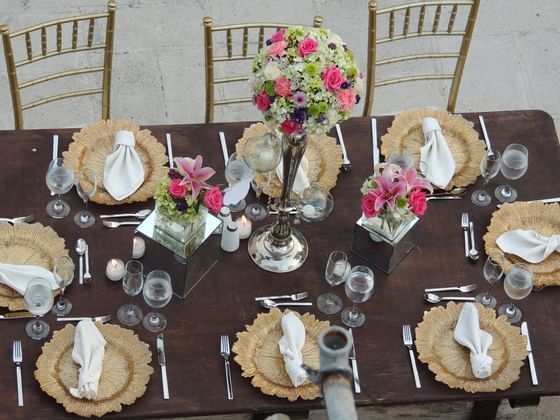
305	80
394	194
184	189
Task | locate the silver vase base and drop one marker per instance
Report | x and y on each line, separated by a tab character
277	259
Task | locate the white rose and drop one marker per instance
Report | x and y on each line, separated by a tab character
272	71
332	116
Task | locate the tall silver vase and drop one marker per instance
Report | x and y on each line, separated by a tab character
279	247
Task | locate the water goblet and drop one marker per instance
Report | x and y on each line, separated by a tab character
515	161
38	300
86	187
157	293
359	288
492	272
132	282
489	168
337	271
256	211
59	179
236	171
518	284
63	275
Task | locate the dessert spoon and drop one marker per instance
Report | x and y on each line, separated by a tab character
267	303
433	298
142	214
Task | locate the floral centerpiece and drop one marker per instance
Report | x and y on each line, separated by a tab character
305	80
392	197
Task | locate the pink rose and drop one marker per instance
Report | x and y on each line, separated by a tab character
307	46
282	86
176	189
417	202
277	49
214	200
278	35
289	127
332	78
262	101
368	204
346	99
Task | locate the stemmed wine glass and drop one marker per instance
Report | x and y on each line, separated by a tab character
256	211
489	168
336	272
359	288
492	271
517	285
59	179
133	279
236	171
157	293
86	187
63	275
38	299
515	161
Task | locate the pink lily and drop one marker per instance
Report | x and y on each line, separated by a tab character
194	175
388	192
413	181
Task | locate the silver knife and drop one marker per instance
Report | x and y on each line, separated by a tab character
354	363
17	315
345	161
542	200
161	360
525	332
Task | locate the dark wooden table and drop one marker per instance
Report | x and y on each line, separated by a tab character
223	302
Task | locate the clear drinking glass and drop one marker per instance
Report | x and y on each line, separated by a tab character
236	171
86	187
336	272
492	271
359	288
59	179
515	161
63	275
518	284
489	168
133	279
256	211
38	299
157	293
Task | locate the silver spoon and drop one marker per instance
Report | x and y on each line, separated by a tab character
112	224
268	303
457	191
463	289
141	214
473	252
433	298
81	250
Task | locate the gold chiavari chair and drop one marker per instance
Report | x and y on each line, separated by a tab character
228	56
80	42
435	19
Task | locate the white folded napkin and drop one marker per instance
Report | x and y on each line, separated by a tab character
290	347
301	182
436	155
468	334
88	352
123	172
17	276
528	244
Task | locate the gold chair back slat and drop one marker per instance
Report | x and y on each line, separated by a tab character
76	47
438	10
243	51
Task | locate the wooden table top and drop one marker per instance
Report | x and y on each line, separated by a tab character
222	303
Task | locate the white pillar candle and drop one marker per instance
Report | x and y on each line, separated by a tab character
138	247
115	269
243	227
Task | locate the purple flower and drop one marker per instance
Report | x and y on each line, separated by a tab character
332	46
172	174
299	115
268	42
300	99
358	97
345	85
181	205
320	118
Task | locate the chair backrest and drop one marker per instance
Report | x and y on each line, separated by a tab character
246	50
427	19
80	42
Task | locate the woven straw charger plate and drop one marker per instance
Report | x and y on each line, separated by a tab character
29	244
323	154
258	355
543	219
94	143
405	137
125	373
451	362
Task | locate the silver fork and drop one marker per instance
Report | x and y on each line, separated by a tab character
23	219
295	297
465	226
224	350
407	340
17	357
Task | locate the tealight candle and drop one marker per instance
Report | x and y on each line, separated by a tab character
115	269
138	247
308	211
243	227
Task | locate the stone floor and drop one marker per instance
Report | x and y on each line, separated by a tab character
159	79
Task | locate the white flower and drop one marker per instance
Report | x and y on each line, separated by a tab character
333	117
272	71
